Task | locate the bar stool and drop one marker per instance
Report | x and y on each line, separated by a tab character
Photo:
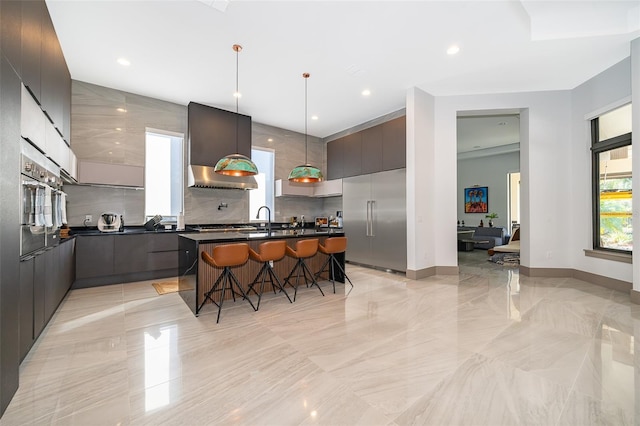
226	256
304	250
270	251
331	247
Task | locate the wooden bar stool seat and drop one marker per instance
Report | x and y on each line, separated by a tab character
331	247
270	251
304	250
226	256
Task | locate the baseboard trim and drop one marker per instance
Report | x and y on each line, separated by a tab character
602	281
546	272
421	273
447	270
634	295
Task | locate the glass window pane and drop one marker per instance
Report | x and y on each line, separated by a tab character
615	123
163	176
615	199
264	159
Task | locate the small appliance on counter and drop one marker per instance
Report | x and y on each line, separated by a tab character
109	222
153	223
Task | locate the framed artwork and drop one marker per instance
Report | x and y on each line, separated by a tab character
476	199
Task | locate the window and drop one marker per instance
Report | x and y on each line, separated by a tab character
263	196
163	175
612	190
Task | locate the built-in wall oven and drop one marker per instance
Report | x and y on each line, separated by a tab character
39	194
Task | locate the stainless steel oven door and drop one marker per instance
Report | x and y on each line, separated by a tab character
32	236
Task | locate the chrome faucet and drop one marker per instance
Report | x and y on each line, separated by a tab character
268	217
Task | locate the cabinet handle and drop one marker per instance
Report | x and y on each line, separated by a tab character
373	205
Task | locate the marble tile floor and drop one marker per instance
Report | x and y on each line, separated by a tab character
485	347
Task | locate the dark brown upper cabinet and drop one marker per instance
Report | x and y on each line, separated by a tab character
352	162
11	32
376	149
335	159
212	134
32	12
394	144
372	150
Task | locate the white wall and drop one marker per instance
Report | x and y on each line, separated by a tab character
603	92
422	220
490	171
544	164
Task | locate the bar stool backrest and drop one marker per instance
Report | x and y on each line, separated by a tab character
272	250
227	255
306	248
335	245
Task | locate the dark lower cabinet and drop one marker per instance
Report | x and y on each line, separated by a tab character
45	279
94	256
26	305
110	259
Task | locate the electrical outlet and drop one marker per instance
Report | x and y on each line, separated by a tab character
88	218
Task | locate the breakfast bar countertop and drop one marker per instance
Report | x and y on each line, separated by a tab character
235	236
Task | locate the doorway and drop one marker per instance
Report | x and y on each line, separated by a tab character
488	156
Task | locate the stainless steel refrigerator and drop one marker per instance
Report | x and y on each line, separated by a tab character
375	219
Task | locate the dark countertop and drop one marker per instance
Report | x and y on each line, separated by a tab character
128	230
216	237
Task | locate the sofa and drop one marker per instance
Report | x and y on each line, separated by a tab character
496	236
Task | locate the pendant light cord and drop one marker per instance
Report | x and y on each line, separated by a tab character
306	76
237	48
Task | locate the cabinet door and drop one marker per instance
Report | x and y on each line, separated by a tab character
52	282
39	280
67	267
11	32
394	144
372	150
26	306
335	156
130	253
163	242
356	198
47	66
352	162
32	12
389	241
94	256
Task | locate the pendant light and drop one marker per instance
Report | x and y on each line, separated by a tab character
236	164
305	173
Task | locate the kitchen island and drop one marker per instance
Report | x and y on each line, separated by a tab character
196	277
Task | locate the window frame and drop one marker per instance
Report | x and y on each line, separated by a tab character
598	147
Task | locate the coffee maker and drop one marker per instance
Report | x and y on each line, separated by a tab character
109	222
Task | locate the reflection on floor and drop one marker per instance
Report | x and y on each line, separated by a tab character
485	347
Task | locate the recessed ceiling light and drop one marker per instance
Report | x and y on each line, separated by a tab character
452	50
237	95
366	92
110	152
124	62
121	110
314	117
117	143
270	140
118	128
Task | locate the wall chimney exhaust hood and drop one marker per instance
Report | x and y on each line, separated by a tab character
205	177
212	133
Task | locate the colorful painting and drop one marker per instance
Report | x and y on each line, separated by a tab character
476	199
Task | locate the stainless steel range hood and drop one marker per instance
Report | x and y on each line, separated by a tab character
205	177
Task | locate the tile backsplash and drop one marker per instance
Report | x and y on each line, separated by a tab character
95	138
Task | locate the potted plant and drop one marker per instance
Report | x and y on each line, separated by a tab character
492	216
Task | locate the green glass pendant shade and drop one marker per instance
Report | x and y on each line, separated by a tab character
306	173
236	165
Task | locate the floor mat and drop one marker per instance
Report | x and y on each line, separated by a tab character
165	287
